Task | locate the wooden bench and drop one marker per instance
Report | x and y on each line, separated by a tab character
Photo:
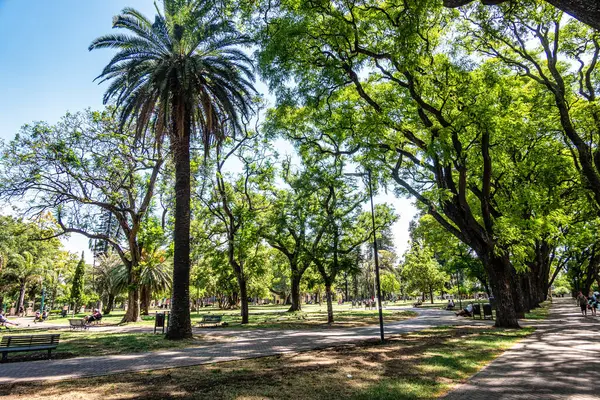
77	323
10	344
211	319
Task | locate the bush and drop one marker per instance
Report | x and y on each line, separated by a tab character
561	290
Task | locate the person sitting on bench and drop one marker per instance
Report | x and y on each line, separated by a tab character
4	322
450	305
466	312
96	316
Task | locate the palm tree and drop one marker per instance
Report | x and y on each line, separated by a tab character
184	75
155	275
23	269
111	283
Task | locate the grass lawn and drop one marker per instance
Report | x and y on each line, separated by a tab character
541	312
85	343
273	317
422	365
78	344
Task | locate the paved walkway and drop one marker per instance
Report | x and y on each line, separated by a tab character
248	344
561	360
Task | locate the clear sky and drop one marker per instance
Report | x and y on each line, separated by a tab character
47	70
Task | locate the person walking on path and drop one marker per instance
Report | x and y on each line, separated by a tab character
593	302
583	303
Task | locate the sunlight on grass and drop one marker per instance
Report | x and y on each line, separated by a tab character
420	365
541	312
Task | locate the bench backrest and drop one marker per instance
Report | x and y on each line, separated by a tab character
29	340
487	309
76	322
216	318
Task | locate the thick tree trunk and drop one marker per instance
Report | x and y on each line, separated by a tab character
180	325
109	304
1	303
328	294
243	299
499	271
133	313
520	294
133	307
21	302
591	274
539	273
295	295
145	293
431	294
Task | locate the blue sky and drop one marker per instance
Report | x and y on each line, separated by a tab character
47	70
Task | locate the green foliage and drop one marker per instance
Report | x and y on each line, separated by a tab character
389	283
421	271
78	297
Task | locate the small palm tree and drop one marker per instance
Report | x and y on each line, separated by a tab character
110	283
23	268
155	276
185	75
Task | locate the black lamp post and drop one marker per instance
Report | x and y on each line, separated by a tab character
375	249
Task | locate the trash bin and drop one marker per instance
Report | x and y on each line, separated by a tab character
159	322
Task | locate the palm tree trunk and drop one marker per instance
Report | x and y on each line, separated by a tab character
145	300
180	325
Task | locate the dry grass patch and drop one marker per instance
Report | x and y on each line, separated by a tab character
421	365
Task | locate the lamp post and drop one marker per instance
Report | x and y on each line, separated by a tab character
377	281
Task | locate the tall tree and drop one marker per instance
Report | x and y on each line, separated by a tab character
561	60
235	203
77	286
27	255
82	169
436	126
421	271
286	227
186	74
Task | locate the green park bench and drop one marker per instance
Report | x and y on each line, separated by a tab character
11	344
211	320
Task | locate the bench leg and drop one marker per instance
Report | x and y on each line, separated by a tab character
49	353
4	355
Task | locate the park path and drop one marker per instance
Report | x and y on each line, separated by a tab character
561	360
247	344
